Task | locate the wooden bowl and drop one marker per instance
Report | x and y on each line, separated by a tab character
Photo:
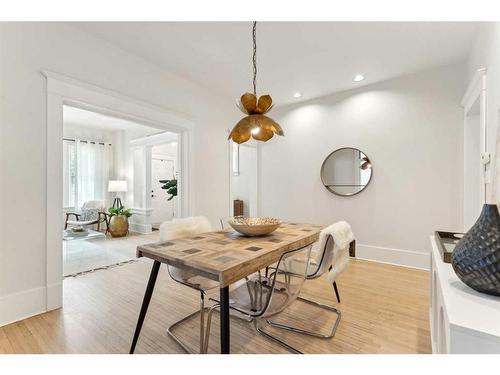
254	226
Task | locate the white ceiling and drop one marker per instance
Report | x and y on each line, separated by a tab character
315	58
94	120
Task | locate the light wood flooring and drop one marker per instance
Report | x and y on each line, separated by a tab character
384	310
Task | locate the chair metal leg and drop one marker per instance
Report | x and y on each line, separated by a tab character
202	321
201	311
274	338
310	332
209	323
256	326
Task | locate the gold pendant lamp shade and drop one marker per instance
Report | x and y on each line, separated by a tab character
256	124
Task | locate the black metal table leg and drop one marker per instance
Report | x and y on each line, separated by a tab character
145	303
224	320
336	291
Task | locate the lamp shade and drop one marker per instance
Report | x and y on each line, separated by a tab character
117	186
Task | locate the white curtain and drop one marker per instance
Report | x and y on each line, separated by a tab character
94	163
69	174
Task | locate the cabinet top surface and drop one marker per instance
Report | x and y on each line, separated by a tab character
464	306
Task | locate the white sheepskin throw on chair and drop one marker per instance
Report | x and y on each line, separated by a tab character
185	227
339	256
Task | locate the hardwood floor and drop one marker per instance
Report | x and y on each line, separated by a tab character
384	310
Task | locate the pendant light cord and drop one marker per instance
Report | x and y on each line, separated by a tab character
254	35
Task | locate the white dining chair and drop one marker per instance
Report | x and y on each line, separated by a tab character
259	297
181	228
317	268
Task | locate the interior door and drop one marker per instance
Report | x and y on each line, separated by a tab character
163	209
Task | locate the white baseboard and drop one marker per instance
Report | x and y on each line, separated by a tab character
54	296
18	306
407	258
140	228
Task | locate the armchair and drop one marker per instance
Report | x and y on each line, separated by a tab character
92	212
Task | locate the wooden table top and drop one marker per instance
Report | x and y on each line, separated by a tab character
226	256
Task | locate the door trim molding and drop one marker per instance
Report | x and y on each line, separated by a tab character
476	90
63	90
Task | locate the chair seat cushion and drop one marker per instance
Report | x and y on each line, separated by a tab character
89	214
81	222
249	296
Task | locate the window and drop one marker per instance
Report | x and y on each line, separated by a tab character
69	174
87	168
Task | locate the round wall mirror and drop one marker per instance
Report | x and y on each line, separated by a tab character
346	171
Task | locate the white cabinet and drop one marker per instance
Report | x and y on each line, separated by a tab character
461	319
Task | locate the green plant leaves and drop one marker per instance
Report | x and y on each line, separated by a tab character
119	211
171	187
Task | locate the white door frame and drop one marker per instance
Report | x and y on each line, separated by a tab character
146	144
65	90
477	90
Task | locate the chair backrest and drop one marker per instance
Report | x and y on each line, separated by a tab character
185	227
284	284
180	228
323	260
95	204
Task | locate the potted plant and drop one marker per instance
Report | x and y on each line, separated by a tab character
170	186
118	222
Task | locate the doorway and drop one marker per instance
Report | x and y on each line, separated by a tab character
62	90
98	172
163	167
244	179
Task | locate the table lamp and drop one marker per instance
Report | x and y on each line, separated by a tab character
117	186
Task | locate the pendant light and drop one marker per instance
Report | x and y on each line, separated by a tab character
366	164
255	124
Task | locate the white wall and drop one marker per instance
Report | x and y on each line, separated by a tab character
25	50
486	54
411	130
124	163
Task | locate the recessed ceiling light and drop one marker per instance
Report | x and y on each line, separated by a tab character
297	95
358	77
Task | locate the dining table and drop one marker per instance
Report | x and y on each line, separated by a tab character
225	256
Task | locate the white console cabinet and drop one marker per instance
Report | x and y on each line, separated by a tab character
462	320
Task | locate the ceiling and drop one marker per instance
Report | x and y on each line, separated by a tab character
315	58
